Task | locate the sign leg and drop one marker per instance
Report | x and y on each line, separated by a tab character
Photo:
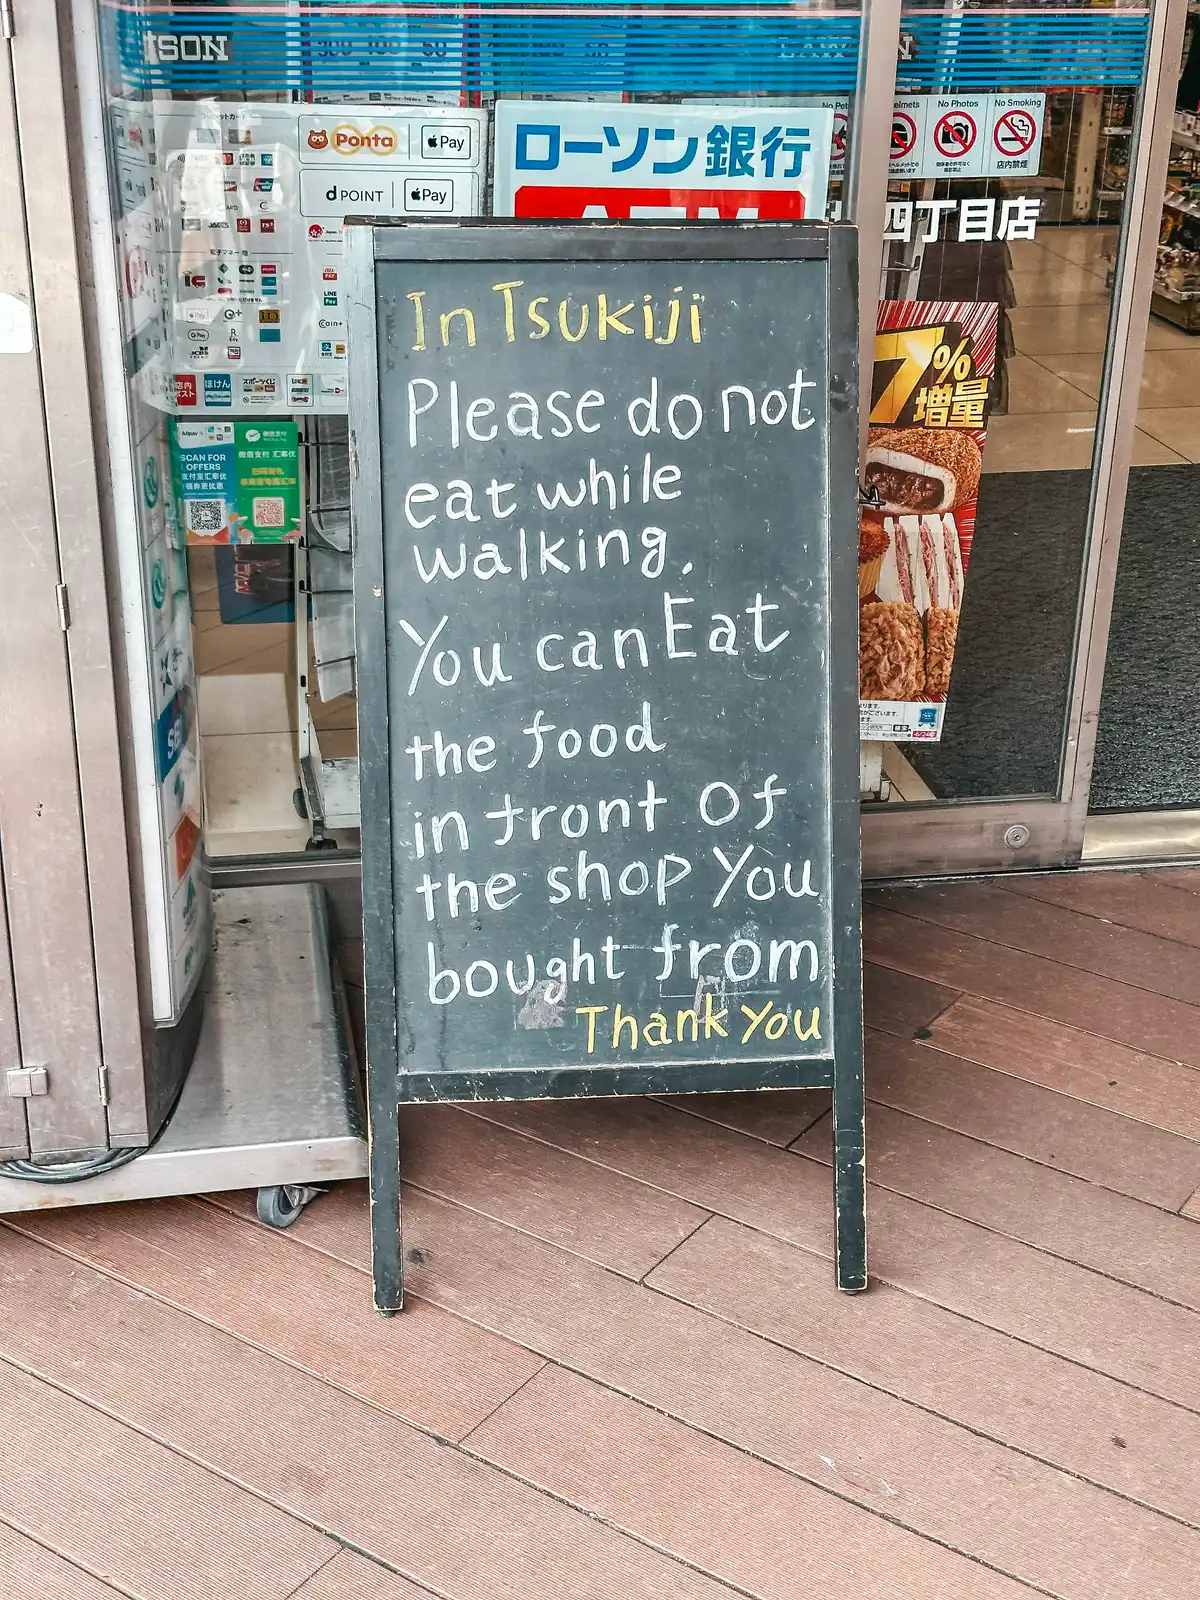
386	1255
850	1178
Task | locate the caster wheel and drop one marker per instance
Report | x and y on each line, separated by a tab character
298	802
321	844
279	1206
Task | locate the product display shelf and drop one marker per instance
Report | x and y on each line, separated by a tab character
1179	237
1181	310
328	795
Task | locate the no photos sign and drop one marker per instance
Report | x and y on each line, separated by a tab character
954	146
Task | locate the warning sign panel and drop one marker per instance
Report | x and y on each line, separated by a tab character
908	136
837	150
956	133
839	104
1014	135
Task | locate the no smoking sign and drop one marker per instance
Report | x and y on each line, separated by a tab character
1014	141
1014	133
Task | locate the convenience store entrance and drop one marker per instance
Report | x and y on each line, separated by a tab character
1008	234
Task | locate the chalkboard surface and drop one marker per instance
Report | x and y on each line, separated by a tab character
605	516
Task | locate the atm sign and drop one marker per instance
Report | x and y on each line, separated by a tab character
725	205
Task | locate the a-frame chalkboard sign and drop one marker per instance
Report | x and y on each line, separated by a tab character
605	510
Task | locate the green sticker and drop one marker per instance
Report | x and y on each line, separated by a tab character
158	584
268	482
150	481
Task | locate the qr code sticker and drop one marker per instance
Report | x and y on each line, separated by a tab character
206	516
268	511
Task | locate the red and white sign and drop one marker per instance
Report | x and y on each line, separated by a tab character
1014	134
571	159
839	104
954	135
956	141
691	205
908	136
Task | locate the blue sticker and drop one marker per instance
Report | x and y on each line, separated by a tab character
172	732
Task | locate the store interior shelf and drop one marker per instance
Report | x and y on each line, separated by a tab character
1178	296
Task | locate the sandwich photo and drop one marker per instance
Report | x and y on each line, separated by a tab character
922	469
908	621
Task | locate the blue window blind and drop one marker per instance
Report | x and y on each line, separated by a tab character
1027	48
667	48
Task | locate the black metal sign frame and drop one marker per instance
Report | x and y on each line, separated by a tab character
841	1069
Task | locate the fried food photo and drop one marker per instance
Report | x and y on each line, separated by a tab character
891	651
872	538
941	635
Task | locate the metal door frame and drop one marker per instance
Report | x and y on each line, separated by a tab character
62	808
946	838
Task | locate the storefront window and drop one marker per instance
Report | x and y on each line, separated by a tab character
240	136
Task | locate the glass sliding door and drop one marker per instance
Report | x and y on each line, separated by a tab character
1145	794
1020	193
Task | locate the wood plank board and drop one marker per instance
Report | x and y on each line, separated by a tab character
432	1369
448	1522
979	1377
1147	1088
28	1571
1053	1409
1058	933
1026	1518
1081	1222
1132	1016
999	1281
352	1577
1185	878
899	1003
1044	1124
625	1225
1130	899
777	1116
172	1531
744	1520
988	1422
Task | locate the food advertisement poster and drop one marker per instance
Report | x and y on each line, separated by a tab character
237	482
930	395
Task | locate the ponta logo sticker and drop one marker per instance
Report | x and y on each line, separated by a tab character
318	139
378	141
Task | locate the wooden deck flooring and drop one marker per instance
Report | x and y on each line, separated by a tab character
625	1374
